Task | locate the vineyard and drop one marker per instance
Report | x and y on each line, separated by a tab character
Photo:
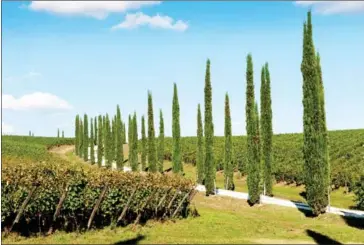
42	192
346	155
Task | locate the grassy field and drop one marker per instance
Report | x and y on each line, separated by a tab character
221	220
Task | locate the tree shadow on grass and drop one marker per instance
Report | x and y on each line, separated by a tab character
356	222
135	240
321	239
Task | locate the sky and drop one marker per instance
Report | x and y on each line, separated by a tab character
60	59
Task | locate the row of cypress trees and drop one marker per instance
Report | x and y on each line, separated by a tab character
108	136
57	133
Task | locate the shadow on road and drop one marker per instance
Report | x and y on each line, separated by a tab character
135	240
321	239
356	222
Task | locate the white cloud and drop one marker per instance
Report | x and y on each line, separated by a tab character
95	9
6	128
158	21
37	100
334	7
27	76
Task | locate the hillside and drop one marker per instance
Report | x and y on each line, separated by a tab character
346	155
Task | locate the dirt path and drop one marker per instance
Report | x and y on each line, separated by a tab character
62	150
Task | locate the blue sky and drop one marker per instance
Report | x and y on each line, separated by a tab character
62	58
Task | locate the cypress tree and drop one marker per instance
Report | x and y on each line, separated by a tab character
58	133
176	134
77	138
100	147
130	140
92	150
30	133
323	128
152	154
161	142
95	131
258	149
199	151
81	143
108	143
251	129
124	133
104	140
315	167
134	162
266	130
85	138
119	143
228	161
210	169
112	143
144	146
62	134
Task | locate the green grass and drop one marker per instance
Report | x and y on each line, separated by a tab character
281	190
222	220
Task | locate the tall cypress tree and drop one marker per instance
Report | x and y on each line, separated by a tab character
258	148
119	143
144	146
315	167
251	128
124	133
58	133
228	159
176	134
100	146
152	153
108	143
199	151
85	138
323	127
92	150
30	133
210	169
266	130
134	162
62	134
81	143
113	136
77	138
95	131
130	140
161	142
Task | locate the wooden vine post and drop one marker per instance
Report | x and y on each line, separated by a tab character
144	205
181	202
126	206
58	209
96	207
23	206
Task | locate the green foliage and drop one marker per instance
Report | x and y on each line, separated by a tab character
119	140
210	173
252	136
62	134
95	131
144	146
152	153
315	157
199	152
109	156
85	139
100	142
134	145
124	133
228	160
130	139
161	142
83	184
176	134
359	193
266	129
58	133
81	136
92	150
77	138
